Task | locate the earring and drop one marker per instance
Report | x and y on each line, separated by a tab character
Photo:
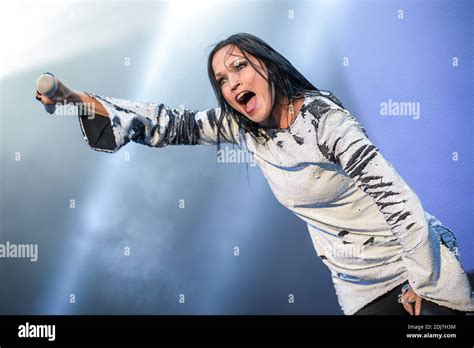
291	109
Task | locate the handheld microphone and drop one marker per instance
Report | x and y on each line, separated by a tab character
46	84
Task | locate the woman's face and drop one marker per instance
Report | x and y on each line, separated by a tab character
235	75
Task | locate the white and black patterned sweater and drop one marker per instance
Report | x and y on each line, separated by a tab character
366	224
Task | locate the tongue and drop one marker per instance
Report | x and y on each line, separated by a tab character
251	104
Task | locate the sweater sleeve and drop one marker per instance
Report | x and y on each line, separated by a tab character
155	125
341	139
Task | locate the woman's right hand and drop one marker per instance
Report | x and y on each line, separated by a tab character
63	95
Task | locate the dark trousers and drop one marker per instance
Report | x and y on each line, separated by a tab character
388	304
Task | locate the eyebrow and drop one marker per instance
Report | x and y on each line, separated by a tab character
238	57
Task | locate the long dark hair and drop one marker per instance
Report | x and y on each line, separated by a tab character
289	84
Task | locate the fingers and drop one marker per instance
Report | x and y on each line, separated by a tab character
409	299
418	305
43	99
408	307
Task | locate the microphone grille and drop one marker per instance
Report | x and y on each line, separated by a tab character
46	84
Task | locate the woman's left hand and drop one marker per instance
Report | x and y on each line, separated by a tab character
410	300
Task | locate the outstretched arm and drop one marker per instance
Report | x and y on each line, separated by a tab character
121	121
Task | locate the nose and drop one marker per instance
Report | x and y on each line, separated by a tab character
233	84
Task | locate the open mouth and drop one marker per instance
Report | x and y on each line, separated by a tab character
248	100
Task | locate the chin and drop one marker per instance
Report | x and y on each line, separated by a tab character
258	117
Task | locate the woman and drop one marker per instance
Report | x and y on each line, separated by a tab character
366	224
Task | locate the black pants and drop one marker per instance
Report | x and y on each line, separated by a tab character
388	304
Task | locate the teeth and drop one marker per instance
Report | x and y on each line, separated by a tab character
241	94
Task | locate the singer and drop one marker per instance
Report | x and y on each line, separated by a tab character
385	253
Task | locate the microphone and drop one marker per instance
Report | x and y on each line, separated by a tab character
46	84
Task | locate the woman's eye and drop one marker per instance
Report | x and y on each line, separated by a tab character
240	66
221	81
